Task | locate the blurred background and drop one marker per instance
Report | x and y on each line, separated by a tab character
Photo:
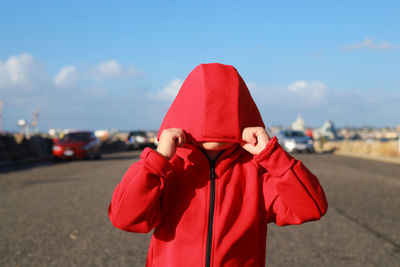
94	79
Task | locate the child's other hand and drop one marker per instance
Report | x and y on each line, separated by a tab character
169	140
255	139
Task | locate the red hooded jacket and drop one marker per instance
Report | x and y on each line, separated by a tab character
214	213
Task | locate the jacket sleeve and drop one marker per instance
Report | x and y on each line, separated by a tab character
135	204
292	194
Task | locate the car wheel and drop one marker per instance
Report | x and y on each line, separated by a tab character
91	155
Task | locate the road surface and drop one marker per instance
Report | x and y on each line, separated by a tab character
56	215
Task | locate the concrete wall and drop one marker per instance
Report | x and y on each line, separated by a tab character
17	147
36	146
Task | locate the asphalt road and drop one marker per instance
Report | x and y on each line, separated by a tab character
56	215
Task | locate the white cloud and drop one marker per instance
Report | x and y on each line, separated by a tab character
370	44
311	90
113	69
168	93
21	72
67	76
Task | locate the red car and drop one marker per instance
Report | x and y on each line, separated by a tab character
77	144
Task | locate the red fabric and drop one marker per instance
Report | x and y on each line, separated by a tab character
213	104
250	191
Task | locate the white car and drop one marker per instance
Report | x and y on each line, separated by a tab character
295	141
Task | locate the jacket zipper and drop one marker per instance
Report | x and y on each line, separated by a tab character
210	214
212	206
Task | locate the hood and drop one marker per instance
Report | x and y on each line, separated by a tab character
72	144
213	105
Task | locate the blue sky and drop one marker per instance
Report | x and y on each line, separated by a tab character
103	64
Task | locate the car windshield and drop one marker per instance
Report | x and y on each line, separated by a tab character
293	133
137	134
76	137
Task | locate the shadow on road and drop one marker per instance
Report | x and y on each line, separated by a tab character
17	166
52	180
120	157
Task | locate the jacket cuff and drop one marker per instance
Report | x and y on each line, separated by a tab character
274	158
157	161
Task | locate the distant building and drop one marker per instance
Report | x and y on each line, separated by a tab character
298	125
327	130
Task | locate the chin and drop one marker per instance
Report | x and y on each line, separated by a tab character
216	145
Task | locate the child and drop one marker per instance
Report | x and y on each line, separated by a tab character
215	181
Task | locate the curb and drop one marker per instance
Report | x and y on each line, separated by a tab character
369	157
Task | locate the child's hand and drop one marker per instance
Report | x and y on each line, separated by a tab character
255	139
169	140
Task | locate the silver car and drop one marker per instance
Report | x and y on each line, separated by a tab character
295	141
137	140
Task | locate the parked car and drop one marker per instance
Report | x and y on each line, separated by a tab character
77	144
137	140
295	141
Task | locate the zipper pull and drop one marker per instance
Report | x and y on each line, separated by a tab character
212	171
